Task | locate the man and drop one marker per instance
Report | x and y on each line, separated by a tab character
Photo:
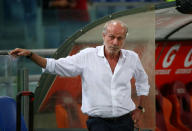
106	72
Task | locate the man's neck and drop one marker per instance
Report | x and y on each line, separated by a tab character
112	56
112	59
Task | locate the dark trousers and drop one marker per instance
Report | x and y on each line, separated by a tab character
124	123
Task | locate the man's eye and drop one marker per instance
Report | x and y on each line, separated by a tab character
111	37
119	38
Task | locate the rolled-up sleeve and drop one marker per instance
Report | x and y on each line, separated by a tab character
50	66
69	66
142	85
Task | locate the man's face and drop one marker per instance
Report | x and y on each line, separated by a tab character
114	38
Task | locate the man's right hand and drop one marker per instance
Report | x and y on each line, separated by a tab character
34	57
19	52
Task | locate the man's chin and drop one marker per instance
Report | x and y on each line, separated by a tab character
114	52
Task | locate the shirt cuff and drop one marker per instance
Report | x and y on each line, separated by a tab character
50	66
143	90
142	93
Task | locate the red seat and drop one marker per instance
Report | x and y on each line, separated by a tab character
169	91
157	129
189	88
189	91
62	117
66	110
183	97
163	113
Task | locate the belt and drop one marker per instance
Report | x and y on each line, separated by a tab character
128	115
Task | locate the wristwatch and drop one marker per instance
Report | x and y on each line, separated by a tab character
30	55
141	108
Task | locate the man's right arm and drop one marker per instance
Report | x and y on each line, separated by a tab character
42	62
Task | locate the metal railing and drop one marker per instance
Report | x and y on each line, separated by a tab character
32	78
42	52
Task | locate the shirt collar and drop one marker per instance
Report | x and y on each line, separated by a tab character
101	52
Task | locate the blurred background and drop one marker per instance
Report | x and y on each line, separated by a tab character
46	24
158	31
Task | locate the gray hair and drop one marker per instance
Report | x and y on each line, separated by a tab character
115	21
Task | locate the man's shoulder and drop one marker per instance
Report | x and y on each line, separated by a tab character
88	50
129	53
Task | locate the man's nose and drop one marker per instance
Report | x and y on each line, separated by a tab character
115	41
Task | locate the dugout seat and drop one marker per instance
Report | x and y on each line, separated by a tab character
157	129
184	100
8	115
61	117
167	91
189	91
163	113
66	110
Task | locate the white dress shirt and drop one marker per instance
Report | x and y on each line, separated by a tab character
104	94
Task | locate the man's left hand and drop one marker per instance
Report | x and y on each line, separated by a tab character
136	116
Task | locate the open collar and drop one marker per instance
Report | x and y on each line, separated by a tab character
100	52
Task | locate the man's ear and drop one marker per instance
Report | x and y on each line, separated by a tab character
103	35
